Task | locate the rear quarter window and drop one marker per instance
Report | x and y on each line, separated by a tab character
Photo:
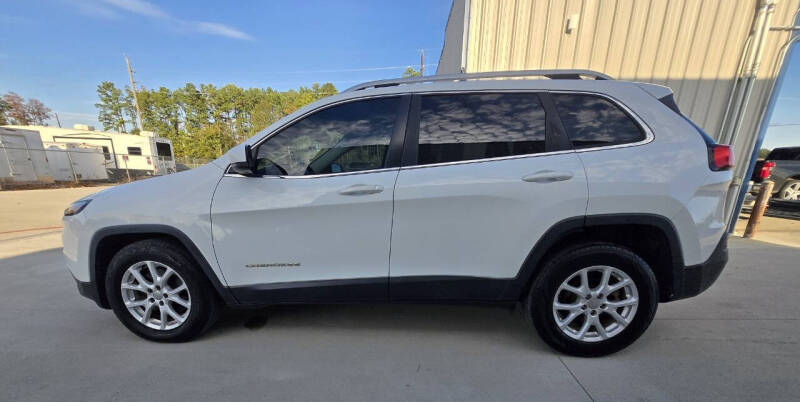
593	121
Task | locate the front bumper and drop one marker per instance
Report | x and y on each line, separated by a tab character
89	291
695	279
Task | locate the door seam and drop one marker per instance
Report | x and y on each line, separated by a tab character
391	234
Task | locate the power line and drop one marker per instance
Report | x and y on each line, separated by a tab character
345	70
784	124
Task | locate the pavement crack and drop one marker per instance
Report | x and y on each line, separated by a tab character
575	378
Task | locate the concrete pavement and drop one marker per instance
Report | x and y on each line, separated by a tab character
785	232
30	220
739	340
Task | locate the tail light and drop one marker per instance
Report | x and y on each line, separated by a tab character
766	169
720	157
148	161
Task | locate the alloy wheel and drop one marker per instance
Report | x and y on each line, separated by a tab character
156	295
791	192
595	303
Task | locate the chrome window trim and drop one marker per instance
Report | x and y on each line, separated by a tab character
498	158
312	176
649	137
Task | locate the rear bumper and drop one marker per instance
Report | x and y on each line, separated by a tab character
695	279
89	291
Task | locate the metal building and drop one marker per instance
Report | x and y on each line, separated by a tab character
721	57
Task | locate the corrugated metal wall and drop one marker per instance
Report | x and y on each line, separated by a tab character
692	46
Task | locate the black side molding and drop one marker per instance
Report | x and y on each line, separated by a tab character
309	292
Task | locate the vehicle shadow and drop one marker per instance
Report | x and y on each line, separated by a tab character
500	323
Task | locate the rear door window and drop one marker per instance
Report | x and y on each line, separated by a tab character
592	121
164	150
478	126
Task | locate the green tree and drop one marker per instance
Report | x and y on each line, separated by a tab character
193	108
211	141
410	72
3	110
204	121
129	107
111	108
762	153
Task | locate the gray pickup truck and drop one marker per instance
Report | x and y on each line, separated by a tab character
782	166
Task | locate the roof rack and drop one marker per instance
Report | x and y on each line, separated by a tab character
552	74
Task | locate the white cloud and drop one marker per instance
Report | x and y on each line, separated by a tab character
139	7
214	28
110	9
94	10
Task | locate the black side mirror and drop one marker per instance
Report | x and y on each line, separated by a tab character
247	168
252	163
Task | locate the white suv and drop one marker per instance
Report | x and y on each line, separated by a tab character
588	200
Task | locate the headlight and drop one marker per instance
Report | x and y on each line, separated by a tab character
76	207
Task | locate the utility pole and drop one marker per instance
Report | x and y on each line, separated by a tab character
422	62
133	89
57	120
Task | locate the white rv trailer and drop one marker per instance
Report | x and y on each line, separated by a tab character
22	157
76	162
125	154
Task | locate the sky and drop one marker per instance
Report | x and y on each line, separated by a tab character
59	50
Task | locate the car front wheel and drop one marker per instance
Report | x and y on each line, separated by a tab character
593	300
158	294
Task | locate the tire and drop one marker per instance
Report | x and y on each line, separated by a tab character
592	258
790	190
187	322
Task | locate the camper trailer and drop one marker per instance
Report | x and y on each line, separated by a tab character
22	157
128	155
76	162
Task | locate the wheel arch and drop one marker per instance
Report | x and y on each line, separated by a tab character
106	242
626	230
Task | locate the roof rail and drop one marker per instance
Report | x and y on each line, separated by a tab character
552	74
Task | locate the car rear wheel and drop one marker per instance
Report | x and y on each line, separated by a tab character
790	190
593	300
156	292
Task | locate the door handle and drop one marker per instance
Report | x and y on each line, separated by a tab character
547	176
361	189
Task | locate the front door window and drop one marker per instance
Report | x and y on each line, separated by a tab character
350	137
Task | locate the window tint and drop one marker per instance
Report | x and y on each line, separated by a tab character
346	138
592	121
477	126
134	151
784	154
164	150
